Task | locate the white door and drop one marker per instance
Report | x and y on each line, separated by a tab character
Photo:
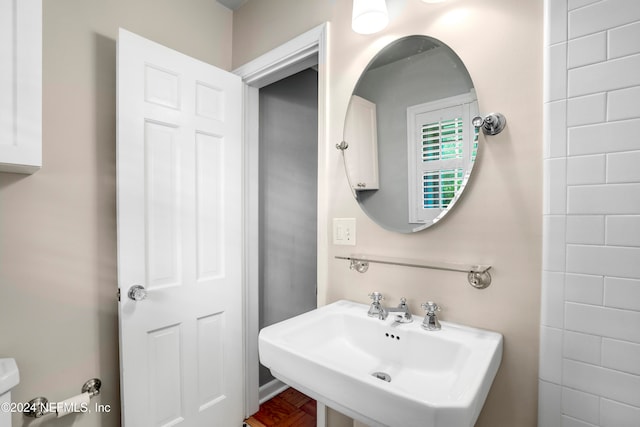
179	236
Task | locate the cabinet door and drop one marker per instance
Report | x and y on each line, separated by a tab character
20	85
361	133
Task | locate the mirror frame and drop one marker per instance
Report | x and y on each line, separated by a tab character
360	190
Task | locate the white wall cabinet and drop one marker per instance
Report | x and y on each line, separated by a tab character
20	85
361	133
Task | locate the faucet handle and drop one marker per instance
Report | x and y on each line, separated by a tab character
376	296
376	309
430	322
430	307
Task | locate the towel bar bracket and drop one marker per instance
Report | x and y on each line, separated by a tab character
479	279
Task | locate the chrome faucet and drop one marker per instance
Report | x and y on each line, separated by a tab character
430	322
377	309
403	315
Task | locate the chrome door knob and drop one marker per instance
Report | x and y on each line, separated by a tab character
137	292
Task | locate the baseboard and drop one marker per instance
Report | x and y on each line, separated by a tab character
271	389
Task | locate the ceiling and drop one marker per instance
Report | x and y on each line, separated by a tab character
232	4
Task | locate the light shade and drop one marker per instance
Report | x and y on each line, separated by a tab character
369	16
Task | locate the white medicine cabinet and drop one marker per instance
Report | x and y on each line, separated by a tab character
361	133
20	86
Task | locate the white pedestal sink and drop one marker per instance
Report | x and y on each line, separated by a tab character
382	373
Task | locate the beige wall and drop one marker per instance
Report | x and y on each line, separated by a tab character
261	25
498	221
58	313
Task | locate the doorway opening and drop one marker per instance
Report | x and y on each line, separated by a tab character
288	196
295	56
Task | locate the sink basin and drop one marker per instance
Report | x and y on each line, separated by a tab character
9	375
384	373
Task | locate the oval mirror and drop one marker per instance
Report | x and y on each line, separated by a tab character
411	141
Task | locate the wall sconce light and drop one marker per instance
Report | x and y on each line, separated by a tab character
369	16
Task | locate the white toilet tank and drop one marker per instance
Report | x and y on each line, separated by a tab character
9	378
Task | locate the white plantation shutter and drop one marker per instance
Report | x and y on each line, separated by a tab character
442	144
442	140
440	187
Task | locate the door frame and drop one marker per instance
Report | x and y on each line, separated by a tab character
287	59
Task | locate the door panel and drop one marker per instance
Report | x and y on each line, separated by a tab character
161	204
211	359
209	226
179	235
165	374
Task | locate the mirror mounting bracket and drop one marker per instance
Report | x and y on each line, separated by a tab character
491	124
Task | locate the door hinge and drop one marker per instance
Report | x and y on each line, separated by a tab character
118	294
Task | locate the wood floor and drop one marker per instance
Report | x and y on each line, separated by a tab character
288	409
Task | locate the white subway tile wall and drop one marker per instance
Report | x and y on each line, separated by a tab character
567	421
574	4
551	354
603	321
580	405
556	170
549	404
587	50
557	128
615	414
622	293
622	104
604	15
586	169
553	247
623	230
623	167
604	199
603	138
624	40
597	78
582	347
590	316
586	110
584	288
553	296
621	355
586	229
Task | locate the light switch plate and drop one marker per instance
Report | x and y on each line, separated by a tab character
344	231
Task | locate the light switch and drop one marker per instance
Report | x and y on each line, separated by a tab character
344	231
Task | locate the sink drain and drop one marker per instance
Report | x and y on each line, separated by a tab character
382	376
